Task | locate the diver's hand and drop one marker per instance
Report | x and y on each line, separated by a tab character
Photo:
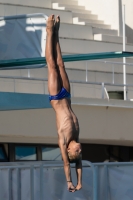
70	187
78	187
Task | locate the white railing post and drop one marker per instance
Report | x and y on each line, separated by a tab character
106	93
95	183
28	73
86	71
44	87
124	59
18	184
32	182
41	182
106	180
113	76
14	86
102	90
10	184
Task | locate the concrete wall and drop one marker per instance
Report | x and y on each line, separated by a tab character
77	89
98	124
110	11
14	9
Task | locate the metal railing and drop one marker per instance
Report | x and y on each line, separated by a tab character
103	177
12	170
105	166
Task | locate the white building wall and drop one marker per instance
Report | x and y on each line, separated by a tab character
98	124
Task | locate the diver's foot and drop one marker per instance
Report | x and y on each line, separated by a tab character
57	25
50	24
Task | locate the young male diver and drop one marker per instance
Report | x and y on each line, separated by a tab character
59	96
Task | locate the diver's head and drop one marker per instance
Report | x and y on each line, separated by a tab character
74	151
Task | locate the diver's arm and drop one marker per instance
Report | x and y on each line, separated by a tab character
79	174
67	169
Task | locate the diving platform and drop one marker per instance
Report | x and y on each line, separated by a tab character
8	64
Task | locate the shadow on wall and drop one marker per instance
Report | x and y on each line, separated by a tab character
22	38
129	34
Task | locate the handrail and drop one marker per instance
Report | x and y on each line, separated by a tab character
110	62
45	164
114	164
71	81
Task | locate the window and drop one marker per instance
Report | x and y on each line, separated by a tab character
25	153
2	154
33	152
51	153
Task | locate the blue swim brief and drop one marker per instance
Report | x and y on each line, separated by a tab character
61	95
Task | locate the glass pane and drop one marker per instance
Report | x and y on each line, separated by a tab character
25	153
51	153
2	155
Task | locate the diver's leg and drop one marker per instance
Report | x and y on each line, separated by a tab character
58	56
54	84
